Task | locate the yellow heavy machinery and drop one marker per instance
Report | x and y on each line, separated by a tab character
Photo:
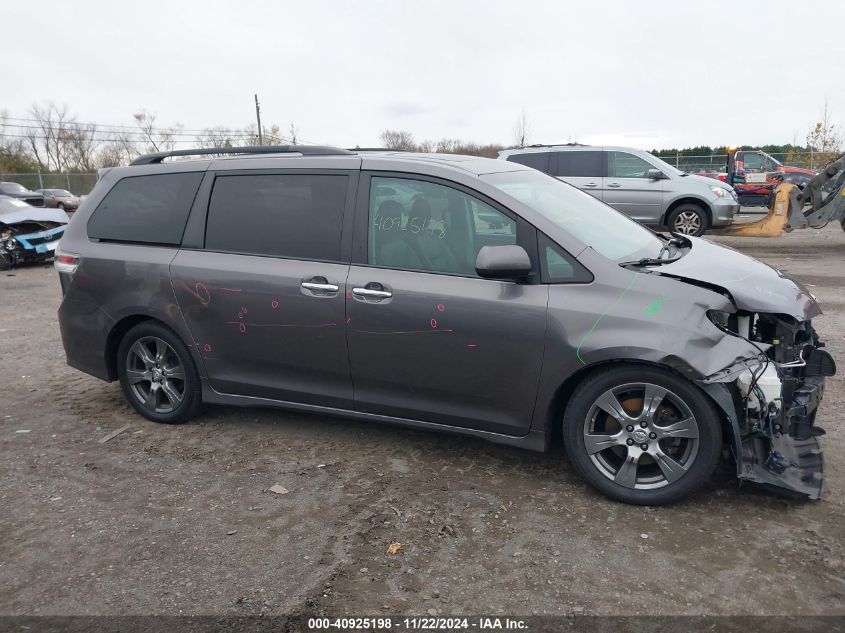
820	202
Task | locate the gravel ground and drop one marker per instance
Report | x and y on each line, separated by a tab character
180	520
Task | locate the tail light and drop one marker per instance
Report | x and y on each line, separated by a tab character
66	262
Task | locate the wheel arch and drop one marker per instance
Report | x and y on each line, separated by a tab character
116	334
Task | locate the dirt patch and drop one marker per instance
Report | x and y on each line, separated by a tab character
180	520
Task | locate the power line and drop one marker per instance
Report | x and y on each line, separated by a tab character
137	131
141	136
130	129
115	126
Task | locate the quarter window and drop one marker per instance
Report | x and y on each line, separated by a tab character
537	160
425	226
146	209
277	215
558	266
625	165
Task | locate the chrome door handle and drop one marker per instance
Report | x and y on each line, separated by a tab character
313	286
366	292
590	184
613	184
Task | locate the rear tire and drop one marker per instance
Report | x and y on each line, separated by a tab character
662	442
688	219
158	375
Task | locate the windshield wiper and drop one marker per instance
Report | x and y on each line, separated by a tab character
677	241
651	261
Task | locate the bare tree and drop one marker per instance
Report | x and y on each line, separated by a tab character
160	139
82	147
49	134
293	133
522	130
218	137
824	138
397	139
13	150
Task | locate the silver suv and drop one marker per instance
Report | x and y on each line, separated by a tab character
636	183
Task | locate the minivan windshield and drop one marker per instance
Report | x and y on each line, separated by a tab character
587	219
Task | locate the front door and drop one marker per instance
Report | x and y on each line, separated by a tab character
628	188
429	339
265	298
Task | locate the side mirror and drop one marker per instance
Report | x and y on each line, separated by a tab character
655	174
502	262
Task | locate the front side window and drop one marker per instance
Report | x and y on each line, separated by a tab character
146	209
587	219
277	215
625	165
426	226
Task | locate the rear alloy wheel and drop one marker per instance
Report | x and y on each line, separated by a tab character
157	374
688	219
642	435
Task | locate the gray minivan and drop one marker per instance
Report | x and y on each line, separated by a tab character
636	183
448	293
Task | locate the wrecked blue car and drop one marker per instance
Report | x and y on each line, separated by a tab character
28	233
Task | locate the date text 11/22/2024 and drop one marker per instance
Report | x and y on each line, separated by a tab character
418	623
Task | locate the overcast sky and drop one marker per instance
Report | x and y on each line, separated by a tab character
646	74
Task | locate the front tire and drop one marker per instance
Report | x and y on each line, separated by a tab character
158	375
688	219
642	435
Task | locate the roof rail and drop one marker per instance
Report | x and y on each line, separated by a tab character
305	150
376	149
570	144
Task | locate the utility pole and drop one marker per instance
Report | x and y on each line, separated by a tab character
258	118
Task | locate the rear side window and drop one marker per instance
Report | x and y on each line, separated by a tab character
537	160
146	209
295	216
577	164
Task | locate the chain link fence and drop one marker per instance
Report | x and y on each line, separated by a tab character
78	184
718	162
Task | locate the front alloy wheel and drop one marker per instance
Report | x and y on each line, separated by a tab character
642	434
688	223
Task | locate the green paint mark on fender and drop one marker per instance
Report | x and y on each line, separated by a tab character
654	308
589	333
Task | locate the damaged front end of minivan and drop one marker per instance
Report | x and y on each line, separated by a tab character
772	405
771	402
